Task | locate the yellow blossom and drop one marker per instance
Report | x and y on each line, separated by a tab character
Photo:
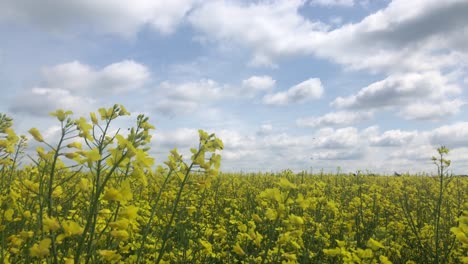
238	250
129	212
93	118
40	249
120	224
120	234
110	255
384	260
374	244
9	214
71	228
36	134
76	145
207	246
50	224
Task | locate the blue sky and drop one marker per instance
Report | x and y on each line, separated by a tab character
364	85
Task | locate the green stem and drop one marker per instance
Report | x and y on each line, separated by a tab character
150	220
174	208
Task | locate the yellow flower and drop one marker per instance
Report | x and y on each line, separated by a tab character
191	210
111	194
271	214
295	220
40	249
384	260
84	185
120	224
9	214
207	246
129	212
120	234
72	155
26	234
93	118
76	145
110	255
374	244
126	193
332	252
50	224
36	134
61	115
289	256
71	228
238	250
92	155
123	195
285	183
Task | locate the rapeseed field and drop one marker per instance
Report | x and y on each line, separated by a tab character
95	196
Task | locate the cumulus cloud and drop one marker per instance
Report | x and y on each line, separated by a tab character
264	129
351	148
269	28
338	138
188	96
330	3
400	37
419	96
452	136
118	17
334	119
73	86
400	89
393	138
299	93
178	138
355	154
414	153
117	77
432	111
257	84
41	101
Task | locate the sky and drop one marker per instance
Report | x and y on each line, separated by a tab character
370	85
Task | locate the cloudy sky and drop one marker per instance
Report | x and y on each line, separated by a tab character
301	84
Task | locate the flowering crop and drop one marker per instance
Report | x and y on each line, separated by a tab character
95	196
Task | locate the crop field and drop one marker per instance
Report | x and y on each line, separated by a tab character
93	196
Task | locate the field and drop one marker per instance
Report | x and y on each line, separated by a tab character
96	197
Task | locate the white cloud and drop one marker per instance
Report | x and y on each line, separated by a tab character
399	38
355	154
269	28
118	77
188	96
334	119
299	93
393	138
258	84
264	129
400	89
109	16
337	138
41	101
452	136
74	85
432	111
178	138
414	153
330	3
